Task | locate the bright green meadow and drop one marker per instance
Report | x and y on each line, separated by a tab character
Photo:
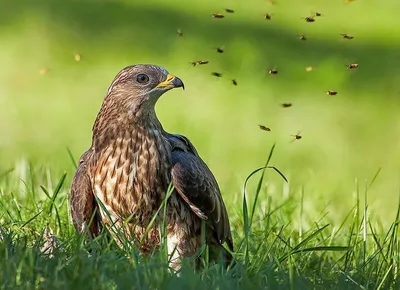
333	225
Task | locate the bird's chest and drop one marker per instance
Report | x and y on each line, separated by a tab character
132	176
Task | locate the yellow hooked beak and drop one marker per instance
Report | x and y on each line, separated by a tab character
171	82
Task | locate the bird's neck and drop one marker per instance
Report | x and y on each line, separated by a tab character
112	124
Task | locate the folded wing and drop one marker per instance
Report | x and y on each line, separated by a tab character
196	184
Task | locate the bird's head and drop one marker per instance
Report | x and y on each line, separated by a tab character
140	86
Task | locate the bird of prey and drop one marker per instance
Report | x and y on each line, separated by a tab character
122	180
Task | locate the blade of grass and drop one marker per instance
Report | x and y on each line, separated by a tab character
71	156
384	278
32	218
57	191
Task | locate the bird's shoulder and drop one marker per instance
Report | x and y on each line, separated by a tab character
179	142
87	158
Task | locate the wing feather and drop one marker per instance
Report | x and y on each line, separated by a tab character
196	184
82	202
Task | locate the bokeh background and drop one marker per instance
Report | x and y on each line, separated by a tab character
49	100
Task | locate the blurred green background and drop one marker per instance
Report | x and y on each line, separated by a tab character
347	136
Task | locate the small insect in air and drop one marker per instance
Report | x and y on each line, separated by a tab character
264	128
309	68
309	19
220	50
303	37
296	137
227	10
352	65
287	105
179	33
234	82
346	36
218	15
44	71
268	16
77	57
216	74
196	62
317	14
273	71
331	93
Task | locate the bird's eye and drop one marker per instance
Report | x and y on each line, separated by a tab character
142	78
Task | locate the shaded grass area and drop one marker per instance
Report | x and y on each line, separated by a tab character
46	113
271	251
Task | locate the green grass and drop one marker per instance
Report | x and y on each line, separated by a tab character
270	251
350	140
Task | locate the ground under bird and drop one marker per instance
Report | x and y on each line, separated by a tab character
123	178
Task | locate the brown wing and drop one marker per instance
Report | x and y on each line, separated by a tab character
83	205
196	184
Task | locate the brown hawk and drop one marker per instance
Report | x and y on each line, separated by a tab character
130	165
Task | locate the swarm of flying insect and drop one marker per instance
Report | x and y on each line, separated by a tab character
234	82
179	33
297	136
287	105
273	71
309	19
331	92
227	10
199	62
216	74
220	50
264	128
44	71
268	16
303	37
77	57
352	65
218	15
346	36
